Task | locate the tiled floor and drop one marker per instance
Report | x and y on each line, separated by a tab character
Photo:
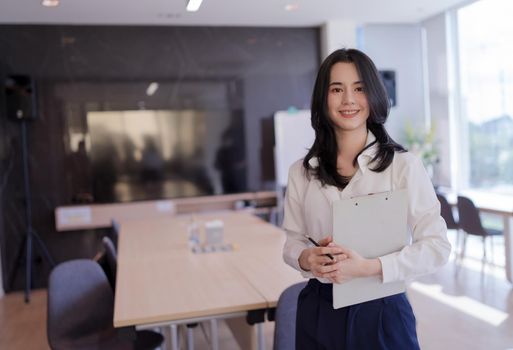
470	310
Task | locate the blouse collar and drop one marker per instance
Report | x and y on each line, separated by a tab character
363	159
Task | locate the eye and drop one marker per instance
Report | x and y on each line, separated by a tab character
359	89
336	90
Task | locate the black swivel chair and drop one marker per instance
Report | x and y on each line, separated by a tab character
285	318
470	223
81	309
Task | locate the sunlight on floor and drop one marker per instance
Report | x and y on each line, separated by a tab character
462	303
477	266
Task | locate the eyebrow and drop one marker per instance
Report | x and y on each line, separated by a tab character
339	83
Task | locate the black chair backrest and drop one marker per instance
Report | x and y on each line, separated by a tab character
469	219
115	232
285	318
446	212
80	302
112	261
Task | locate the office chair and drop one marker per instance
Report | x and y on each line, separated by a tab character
470	223
446	212
110	265
114	232
447	215
81	308
285	318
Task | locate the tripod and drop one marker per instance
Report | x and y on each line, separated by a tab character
30	234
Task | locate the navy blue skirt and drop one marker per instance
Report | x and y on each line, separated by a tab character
386	323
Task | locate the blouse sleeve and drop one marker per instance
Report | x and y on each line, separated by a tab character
293	220
430	247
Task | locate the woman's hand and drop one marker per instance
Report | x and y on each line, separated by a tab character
353	265
315	259
346	265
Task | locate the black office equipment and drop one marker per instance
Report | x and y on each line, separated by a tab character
20	102
156	154
388	78
20	97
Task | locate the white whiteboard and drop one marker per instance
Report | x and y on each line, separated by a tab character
293	135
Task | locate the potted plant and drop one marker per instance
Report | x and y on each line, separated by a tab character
421	142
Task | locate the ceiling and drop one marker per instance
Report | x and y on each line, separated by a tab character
222	12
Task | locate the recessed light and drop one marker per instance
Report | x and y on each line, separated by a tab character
193	5
152	88
50	3
291	7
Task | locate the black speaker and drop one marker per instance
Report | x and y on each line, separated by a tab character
20	97
388	78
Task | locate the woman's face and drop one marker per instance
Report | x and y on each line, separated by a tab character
347	100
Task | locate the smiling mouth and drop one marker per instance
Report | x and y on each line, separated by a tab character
349	113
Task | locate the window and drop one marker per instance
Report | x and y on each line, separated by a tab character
485	46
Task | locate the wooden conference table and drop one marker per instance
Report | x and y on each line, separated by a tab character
495	204
161	282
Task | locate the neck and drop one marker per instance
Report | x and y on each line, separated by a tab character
350	143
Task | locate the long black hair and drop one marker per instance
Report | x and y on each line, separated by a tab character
325	144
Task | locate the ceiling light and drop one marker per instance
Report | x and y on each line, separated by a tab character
152	88
291	7
50	3
193	5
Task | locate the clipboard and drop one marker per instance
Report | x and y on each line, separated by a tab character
373	226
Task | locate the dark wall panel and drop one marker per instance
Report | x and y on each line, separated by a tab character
77	69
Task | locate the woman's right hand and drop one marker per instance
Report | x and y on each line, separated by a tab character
315	260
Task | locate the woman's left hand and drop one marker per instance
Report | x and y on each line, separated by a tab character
354	265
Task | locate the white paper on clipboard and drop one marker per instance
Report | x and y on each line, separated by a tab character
373	226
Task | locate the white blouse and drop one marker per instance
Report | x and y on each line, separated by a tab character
308	211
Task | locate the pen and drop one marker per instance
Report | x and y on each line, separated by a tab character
318	245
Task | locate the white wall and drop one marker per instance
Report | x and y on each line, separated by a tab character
336	35
398	47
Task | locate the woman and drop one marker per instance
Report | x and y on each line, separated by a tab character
353	155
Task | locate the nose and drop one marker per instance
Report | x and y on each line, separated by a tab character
348	98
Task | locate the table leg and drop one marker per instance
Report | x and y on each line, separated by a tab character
214	334
174	336
166	332
260	336
190	339
508	245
